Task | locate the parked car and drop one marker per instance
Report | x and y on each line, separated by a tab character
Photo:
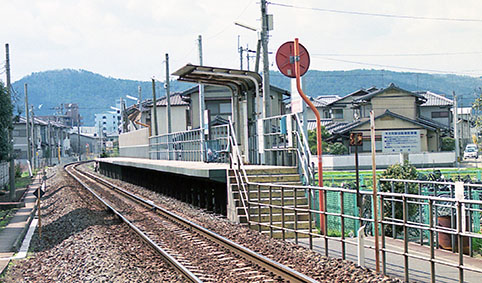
471	151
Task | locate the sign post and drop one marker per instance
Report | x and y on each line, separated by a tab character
375	197
356	139
293	61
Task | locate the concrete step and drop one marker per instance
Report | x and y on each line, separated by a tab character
274	178
271	171
277	217
274	194
300	202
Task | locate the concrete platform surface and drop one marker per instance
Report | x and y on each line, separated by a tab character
212	171
12	235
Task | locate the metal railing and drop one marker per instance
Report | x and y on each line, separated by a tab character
408	204
4	174
285	144
278	140
188	146
307	170
237	167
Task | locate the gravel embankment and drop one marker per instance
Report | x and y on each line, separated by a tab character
301	259
81	241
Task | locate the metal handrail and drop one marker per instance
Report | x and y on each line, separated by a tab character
304	155
239	170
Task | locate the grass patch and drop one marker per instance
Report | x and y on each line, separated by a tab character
5	216
22	182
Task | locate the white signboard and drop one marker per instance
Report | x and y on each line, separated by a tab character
296	100
260	136
404	141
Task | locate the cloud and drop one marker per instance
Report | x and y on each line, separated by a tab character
128	38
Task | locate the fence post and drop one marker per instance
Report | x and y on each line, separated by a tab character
361	246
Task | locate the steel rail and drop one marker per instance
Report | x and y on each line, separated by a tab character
272	266
170	260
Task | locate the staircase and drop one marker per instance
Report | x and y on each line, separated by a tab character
274	175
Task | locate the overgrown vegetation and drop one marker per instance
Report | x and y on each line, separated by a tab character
5	123
448	144
405	171
336	148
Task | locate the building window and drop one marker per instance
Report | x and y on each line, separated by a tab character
440	114
337	113
225	108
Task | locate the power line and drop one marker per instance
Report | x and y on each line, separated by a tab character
374	14
395	67
399	55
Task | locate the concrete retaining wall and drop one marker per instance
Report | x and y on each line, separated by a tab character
134	144
425	159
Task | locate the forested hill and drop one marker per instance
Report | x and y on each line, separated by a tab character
344	82
95	93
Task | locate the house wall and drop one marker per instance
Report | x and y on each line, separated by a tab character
398	102
390	124
134	144
426	112
178	119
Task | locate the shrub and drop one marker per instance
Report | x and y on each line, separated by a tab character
337	148
448	144
405	171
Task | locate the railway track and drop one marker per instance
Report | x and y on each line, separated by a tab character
197	253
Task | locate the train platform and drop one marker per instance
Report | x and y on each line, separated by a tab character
11	237
211	171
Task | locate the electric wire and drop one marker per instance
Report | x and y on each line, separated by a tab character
395	67
357	13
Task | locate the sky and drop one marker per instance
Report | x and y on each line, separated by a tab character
129	38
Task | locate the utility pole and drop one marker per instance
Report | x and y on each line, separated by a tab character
154	108
27	128
78	136
240	50
168	96
456	132
49	134
140	94
10	131
264	43
247	58
201	100
32	137
139	97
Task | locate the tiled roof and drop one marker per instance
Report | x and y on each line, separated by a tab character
326	99
392	86
327	123
434	99
176	100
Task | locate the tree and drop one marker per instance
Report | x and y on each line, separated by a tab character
477	105
312	140
337	148
448	144
5	123
405	171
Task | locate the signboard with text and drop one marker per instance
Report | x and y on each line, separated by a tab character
403	141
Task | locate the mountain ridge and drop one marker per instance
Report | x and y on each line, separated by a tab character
95	93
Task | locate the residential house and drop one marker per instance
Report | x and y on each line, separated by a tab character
394	109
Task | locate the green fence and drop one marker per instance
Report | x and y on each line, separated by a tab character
333	203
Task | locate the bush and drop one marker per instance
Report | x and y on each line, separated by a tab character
405	171
18	171
448	144
337	148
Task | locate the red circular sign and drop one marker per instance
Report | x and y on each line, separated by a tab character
286	61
